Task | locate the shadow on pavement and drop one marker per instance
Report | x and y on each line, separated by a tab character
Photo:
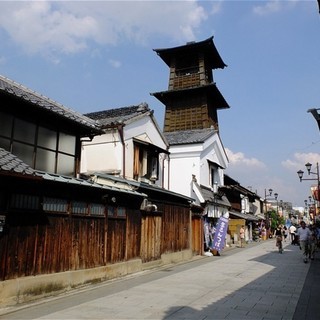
258	300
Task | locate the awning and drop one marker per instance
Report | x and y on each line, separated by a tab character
246	216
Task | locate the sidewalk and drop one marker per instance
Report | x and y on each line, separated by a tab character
255	282
308	306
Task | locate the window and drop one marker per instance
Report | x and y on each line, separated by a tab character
67	143
66	165
55	205
187	64
58	205
41	148
24	201
24	131
116	212
97	209
79	207
146	162
46	160
5	125
214	174
47	138
24	152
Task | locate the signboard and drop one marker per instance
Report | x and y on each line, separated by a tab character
220	234
315	193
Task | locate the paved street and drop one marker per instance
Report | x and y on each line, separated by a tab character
255	282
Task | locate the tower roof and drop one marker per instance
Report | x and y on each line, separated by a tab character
211	90
206	46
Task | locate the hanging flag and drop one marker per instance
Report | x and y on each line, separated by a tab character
220	234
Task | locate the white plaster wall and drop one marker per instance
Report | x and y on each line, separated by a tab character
214	152
105	153
184	162
192	159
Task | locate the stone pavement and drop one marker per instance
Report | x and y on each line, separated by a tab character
255	282
309	305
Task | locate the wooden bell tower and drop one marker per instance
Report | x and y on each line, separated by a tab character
192	98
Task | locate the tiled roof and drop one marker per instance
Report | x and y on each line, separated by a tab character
209	196
12	164
41	101
144	188
119	115
246	216
207	46
210	90
189	136
84	182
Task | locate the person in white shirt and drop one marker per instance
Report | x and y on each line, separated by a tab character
304	235
292	231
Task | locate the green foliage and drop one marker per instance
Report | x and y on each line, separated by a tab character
275	219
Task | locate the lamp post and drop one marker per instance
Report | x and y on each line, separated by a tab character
266	198
300	175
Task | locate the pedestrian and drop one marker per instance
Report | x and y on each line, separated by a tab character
292	230
304	235
264	233
278	235
285	233
241	233
318	235
312	242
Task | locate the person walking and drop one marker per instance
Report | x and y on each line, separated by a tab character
278	235
292	230
312	242
304	235
285	233
242	236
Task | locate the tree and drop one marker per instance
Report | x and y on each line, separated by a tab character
276	220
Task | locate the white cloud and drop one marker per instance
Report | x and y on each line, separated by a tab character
39	26
239	159
216	7
273	6
67	27
269	7
300	159
115	63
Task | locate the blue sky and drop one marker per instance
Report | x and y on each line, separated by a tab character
91	56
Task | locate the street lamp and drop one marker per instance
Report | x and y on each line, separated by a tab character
269	196
308	166
266	198
300	175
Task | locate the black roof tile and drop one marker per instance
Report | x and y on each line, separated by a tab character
16	89
11	163
119	115
189	136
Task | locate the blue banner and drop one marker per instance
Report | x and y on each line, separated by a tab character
220	234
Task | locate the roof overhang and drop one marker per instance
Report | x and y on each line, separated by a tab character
206	46
212	92
248	217
150	146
